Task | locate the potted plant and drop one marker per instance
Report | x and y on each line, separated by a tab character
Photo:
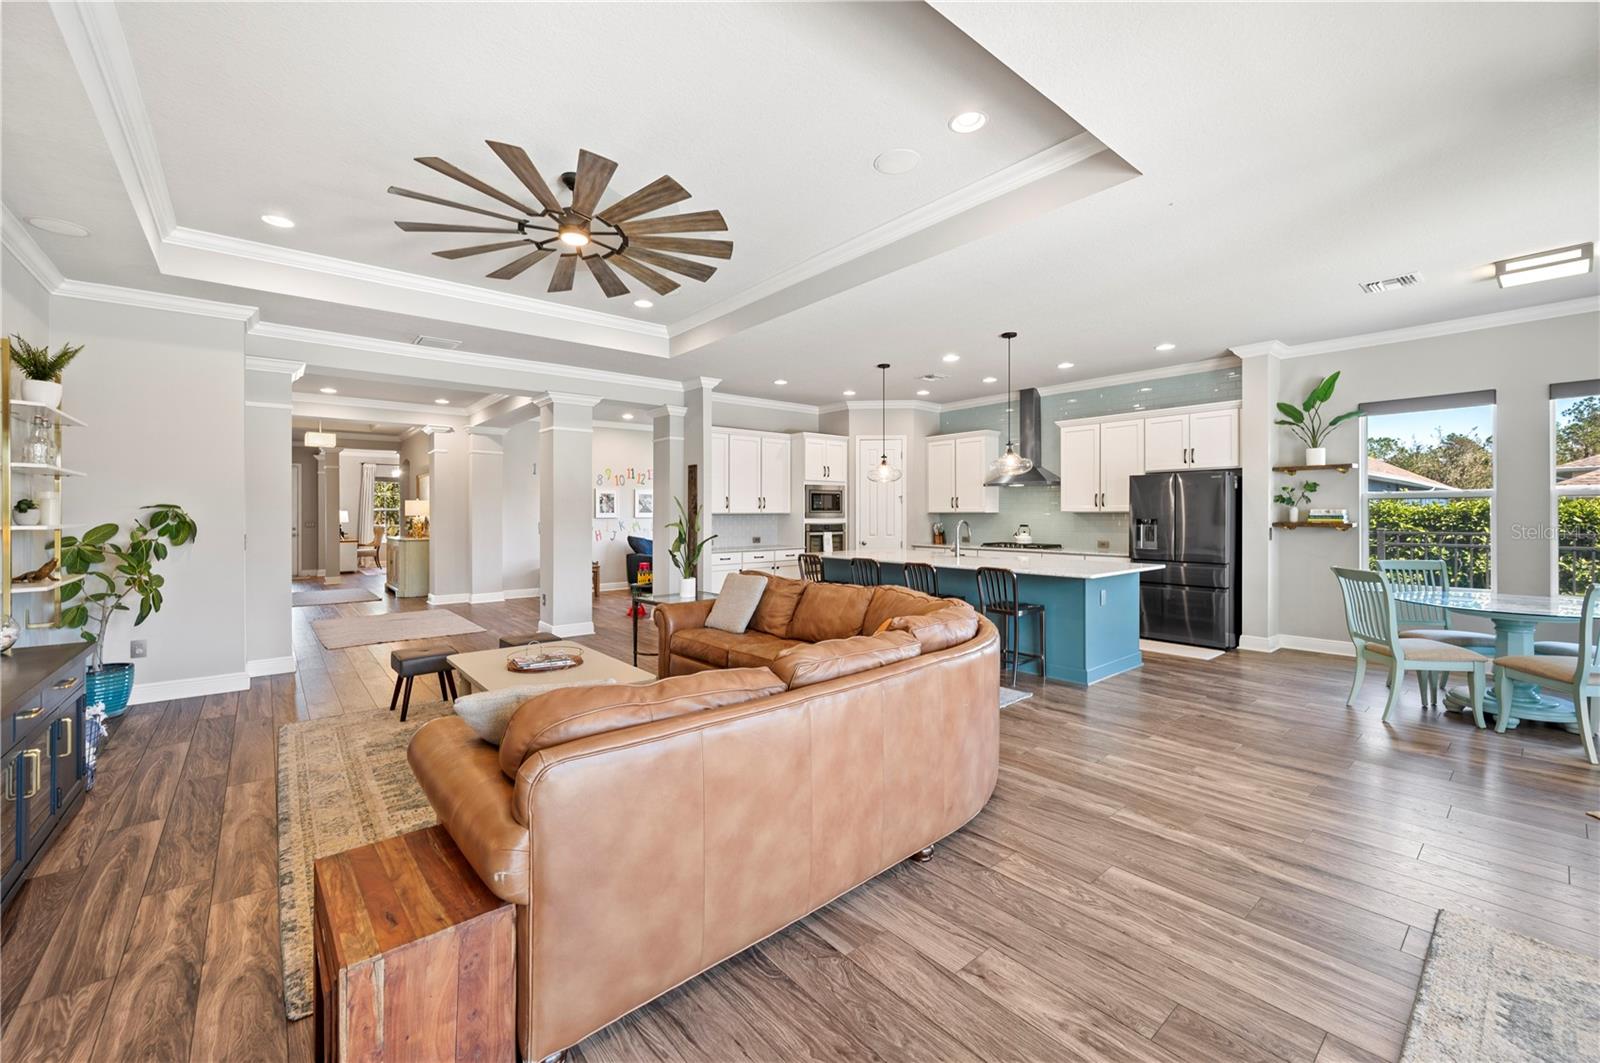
112	574
41	370
686	546
1307	423
1292	496
27	512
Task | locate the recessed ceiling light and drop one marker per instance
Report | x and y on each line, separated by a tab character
781	382
329	391
277	221
441	402
643	304
952	357
59	226
848	392
1545	266
968	122
1063	365
1146	389
1166	346
627	417
991	379
896	161
923	391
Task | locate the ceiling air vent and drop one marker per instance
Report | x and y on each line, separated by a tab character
1405	280
931	377
436	341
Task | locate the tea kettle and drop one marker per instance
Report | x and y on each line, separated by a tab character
1022	534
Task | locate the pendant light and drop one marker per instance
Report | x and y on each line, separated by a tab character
1009	463
883	472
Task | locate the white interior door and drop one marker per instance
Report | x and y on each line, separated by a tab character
1214	437
880	516
1080	468
294	520
1121	457
1166	442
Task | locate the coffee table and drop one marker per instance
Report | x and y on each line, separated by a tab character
486	669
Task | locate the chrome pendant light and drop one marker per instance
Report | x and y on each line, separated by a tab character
883	472
1010	462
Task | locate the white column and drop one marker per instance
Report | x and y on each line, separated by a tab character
448	543
698	402
485	514
1258	452
566	506
268	441
328	513
668	485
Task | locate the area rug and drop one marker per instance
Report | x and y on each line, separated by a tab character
1011	695
1178	649
332	596
342	782
340	633
1491	996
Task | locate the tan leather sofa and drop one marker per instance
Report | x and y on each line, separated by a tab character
647	833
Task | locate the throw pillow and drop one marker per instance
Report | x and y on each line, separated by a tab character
829	611
488	712
777	605
736	603
802	666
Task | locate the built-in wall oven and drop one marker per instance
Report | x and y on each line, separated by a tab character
824	538
824	502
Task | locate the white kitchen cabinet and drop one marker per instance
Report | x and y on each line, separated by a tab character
1096	460
775	474
1166	442
721	492
957	466
744	473
827	458
718	566
1201	438
750	472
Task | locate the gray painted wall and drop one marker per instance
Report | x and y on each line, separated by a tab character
520	507
24	304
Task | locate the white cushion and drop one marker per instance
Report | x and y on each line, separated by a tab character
736	602
489	712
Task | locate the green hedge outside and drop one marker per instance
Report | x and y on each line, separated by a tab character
1457	529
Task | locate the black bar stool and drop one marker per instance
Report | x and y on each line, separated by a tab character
864	572
811	568
410	662
921	576
997	593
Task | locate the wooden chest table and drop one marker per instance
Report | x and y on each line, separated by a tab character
415	957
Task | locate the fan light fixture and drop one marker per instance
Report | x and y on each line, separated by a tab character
883	472
604	239
1009	463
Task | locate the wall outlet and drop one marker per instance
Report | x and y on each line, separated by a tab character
755	540
1102	544
137	648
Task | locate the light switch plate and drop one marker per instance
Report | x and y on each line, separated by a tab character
137	648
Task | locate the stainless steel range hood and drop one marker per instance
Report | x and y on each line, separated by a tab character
1028	445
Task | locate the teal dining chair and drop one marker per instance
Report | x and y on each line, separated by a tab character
1431	621
1369	613
1578	676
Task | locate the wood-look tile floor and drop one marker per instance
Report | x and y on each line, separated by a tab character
1198	860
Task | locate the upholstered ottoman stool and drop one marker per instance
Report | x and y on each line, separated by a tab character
412	661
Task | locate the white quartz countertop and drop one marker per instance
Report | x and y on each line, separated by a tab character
1022	562
972	547
716	546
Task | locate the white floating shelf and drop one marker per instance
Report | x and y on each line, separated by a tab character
46	527
45	587
43	470
30	410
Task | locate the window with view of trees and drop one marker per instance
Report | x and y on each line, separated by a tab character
386	505
1430	487
1577	486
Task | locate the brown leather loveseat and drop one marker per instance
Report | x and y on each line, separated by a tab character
646	833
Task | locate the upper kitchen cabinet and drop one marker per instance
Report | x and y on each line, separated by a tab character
749	472
827	458
1199	437
1097	458
957	466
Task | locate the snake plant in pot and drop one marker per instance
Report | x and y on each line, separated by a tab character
118	578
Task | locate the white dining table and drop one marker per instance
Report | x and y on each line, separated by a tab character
1515	616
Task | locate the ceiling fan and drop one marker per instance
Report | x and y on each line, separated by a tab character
640	247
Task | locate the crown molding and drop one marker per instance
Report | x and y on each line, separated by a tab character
1206	365
730	399
1589	304
669	411
148	300
20	242
303	403
567	398
483	404
868	405
626	426
258	363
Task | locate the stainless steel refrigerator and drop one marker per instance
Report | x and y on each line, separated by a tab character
1188	522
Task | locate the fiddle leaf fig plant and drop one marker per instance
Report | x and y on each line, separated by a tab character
1306	420
115	573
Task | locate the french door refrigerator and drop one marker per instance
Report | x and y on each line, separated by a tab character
1187	522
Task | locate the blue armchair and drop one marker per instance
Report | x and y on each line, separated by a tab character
641	549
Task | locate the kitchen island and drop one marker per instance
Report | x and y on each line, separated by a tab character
1091	604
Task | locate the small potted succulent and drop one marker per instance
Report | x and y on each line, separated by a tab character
1306	421
27	512
41	370
1292	496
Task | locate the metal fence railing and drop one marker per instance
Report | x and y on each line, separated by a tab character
1467	555
1577	562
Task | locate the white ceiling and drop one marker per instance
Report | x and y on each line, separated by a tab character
311	384
1285	152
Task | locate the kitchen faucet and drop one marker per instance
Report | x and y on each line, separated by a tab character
962	523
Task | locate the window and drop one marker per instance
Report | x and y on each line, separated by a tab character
386	505
1428	483
1575	416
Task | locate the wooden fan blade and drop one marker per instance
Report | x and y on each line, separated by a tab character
480	249
561	279
656	282
457	173
605	276
701	221
395	191
662	192
516	266
594	173
447	227
685	245
518	162
698	271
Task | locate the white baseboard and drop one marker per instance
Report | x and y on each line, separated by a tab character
486	597
270	666
522	592
198	687
1304	643
1259	643
448	599
615	585
566	631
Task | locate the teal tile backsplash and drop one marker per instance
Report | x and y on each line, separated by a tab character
1040	507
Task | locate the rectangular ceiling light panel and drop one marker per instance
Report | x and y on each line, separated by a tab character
1545	266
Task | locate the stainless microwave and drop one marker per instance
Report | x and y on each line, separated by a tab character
824	501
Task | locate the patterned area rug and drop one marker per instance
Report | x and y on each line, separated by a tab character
1491	996
341	633
342	782
331	596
